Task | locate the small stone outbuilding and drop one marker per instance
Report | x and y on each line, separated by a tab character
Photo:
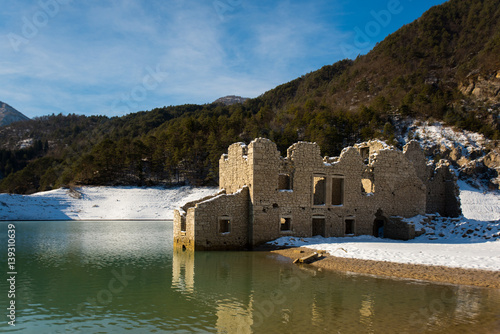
368	190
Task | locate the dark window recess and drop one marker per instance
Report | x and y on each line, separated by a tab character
284	182
224	226
183	224
365	154
349	226
318	227
285	224
337	191
319	187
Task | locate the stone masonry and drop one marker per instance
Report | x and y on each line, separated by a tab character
367	190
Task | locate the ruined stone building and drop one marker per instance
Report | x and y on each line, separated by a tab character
367	190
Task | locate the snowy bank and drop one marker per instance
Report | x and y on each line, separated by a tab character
101	203
471	242
460	254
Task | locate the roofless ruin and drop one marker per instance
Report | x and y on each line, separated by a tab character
367	190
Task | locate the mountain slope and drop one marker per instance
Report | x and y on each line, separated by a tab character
444	66
10	115
445	60
230	99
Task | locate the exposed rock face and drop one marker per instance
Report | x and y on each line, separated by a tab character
486	89
10	115
231	99
492	160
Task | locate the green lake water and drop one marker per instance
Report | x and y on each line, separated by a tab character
124	277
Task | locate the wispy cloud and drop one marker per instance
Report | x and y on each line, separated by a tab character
92	53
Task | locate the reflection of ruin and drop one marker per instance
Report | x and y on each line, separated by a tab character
253	292
183	271
233	317
366	312
367	190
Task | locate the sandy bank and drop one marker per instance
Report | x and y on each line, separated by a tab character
481	278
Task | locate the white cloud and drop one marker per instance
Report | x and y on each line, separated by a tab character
93	53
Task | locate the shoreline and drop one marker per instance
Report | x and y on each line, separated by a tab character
435	274
90	220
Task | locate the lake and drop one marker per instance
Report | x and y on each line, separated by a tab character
125	277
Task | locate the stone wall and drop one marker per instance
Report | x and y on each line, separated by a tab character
235	168
397	229
443	195
304	194
442	190
219	223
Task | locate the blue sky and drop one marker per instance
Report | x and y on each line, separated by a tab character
111	57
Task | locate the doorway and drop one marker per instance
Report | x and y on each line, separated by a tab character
318	226
378	228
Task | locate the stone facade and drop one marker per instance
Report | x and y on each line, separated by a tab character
367	190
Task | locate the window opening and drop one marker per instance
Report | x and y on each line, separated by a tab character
224	225
367	186
337	191
183	224
365	154
319	186
284	182
285	224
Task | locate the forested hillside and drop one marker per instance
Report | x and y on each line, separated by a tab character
443	66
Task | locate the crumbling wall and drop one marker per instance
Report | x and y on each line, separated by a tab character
399	191
443	195
235	168
265	161
184	237
303	194
442	190
217	223
369	148
210	216
414	153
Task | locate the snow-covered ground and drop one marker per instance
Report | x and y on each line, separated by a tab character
477	204
472	241
106	203
435	133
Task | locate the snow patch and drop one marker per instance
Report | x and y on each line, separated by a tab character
471	241
106	203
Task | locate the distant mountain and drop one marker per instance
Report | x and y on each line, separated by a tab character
10	115
231	99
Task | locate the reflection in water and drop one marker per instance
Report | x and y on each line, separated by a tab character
253	292
67	267
468	303
233	317
183	271
366	312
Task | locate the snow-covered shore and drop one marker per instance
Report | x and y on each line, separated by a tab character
473	241
99	203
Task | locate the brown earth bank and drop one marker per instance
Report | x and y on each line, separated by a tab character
481	278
